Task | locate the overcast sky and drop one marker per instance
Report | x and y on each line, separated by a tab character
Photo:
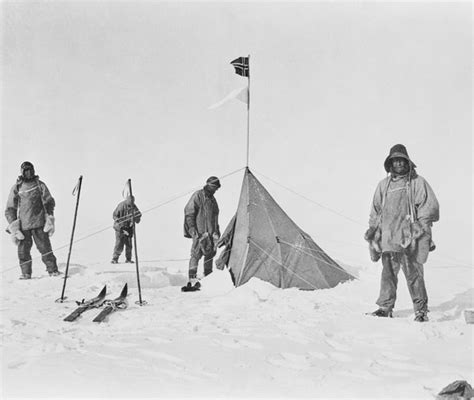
118	90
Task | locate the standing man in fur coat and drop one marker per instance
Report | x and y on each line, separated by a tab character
29	212
403	210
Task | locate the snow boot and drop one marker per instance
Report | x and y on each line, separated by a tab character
421	316
381	312
130	261
192	286
55	273
114	261
25	276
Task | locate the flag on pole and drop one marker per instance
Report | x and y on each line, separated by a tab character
241	66
76	188
126	190
241	94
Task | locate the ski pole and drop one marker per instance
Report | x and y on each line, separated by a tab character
78	187
140	301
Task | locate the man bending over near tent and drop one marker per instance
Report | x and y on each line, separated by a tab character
201	224
403	210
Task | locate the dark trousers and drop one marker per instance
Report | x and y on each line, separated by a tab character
196	254
392	262
43	244
122	240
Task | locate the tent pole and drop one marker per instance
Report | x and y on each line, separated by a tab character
248	112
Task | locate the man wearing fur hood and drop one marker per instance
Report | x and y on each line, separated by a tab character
29	212
403	210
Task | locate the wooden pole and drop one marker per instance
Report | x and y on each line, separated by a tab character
140	301
78	186
248	114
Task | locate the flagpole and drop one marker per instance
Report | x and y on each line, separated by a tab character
248	113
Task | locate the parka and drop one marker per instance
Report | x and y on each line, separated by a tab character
390	212
122	215
201	213
29	201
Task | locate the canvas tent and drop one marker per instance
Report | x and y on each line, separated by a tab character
262	241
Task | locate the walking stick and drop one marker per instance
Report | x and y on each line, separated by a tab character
78	187
140	301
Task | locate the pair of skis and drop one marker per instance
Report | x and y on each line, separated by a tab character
119	303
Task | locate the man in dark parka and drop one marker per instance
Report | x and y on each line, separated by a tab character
123	226
30	214
201	223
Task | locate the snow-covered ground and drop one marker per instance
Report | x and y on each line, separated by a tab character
252	341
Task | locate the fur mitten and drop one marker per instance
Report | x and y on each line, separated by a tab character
373	236
49	225
15	232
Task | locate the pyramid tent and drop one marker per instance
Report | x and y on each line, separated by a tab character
262	241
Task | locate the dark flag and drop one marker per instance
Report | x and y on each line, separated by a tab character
241	66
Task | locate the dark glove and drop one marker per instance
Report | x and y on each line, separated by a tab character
417	230
370	233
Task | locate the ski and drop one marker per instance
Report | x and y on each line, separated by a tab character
85	305
118	303
191	288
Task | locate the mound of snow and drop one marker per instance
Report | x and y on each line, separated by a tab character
218	283
261	289
150	276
